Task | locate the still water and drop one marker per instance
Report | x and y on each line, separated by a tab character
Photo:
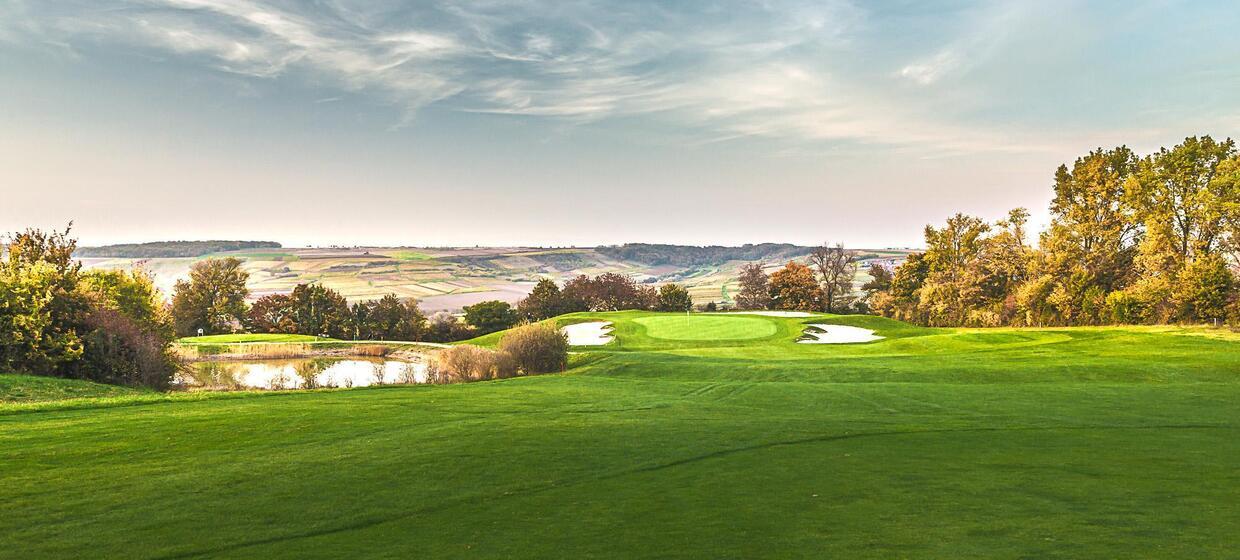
312	373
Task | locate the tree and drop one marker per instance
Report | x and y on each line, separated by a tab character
443	326
544	302
614	292
319	310
491	316
880	278
1182	188
754	293
901	300
674	297
836	269
1204	289
213	299
272	313
126	332
606	292
1093	233
107	326
794	287
954	285
389	318
41	310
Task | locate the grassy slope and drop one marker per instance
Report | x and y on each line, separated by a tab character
1070	443
16	388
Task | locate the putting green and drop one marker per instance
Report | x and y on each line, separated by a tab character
706	327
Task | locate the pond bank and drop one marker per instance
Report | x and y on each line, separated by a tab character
293	350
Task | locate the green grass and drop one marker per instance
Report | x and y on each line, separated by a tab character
15	388
249	338
706	327
933	443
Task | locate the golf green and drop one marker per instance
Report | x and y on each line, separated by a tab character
706	327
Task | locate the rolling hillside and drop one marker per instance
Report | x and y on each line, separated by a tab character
449	278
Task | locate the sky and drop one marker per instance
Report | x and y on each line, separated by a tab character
518	122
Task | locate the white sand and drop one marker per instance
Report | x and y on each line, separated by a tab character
773	313
588	334
838	334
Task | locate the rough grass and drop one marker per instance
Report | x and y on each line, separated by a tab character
933	443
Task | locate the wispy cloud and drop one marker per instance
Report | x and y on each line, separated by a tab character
780	68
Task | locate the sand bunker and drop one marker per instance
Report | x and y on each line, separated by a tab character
774	313
837	334
595	333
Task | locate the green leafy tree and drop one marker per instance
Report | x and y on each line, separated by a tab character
41	309
674	297
1204	289
544	302
319	310
390	318
1183	188
213	299
491	316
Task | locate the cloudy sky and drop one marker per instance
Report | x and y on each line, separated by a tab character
556	123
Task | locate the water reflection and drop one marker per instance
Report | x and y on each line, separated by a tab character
313	373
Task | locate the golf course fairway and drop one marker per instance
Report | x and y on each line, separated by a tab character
720	439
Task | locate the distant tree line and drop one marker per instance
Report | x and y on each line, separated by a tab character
609	291
691	255
1133	240
213	301
171	249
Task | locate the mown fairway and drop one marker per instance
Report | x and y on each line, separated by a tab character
1061	443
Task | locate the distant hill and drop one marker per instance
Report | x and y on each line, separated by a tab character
693	255
171	249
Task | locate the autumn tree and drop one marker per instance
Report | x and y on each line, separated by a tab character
1090	245
606	292
836	268
794	287
954	284
272	313
754	293
213	299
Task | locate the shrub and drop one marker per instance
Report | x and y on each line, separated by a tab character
537	348
118	350
472	363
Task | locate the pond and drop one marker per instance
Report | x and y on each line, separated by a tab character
306	373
